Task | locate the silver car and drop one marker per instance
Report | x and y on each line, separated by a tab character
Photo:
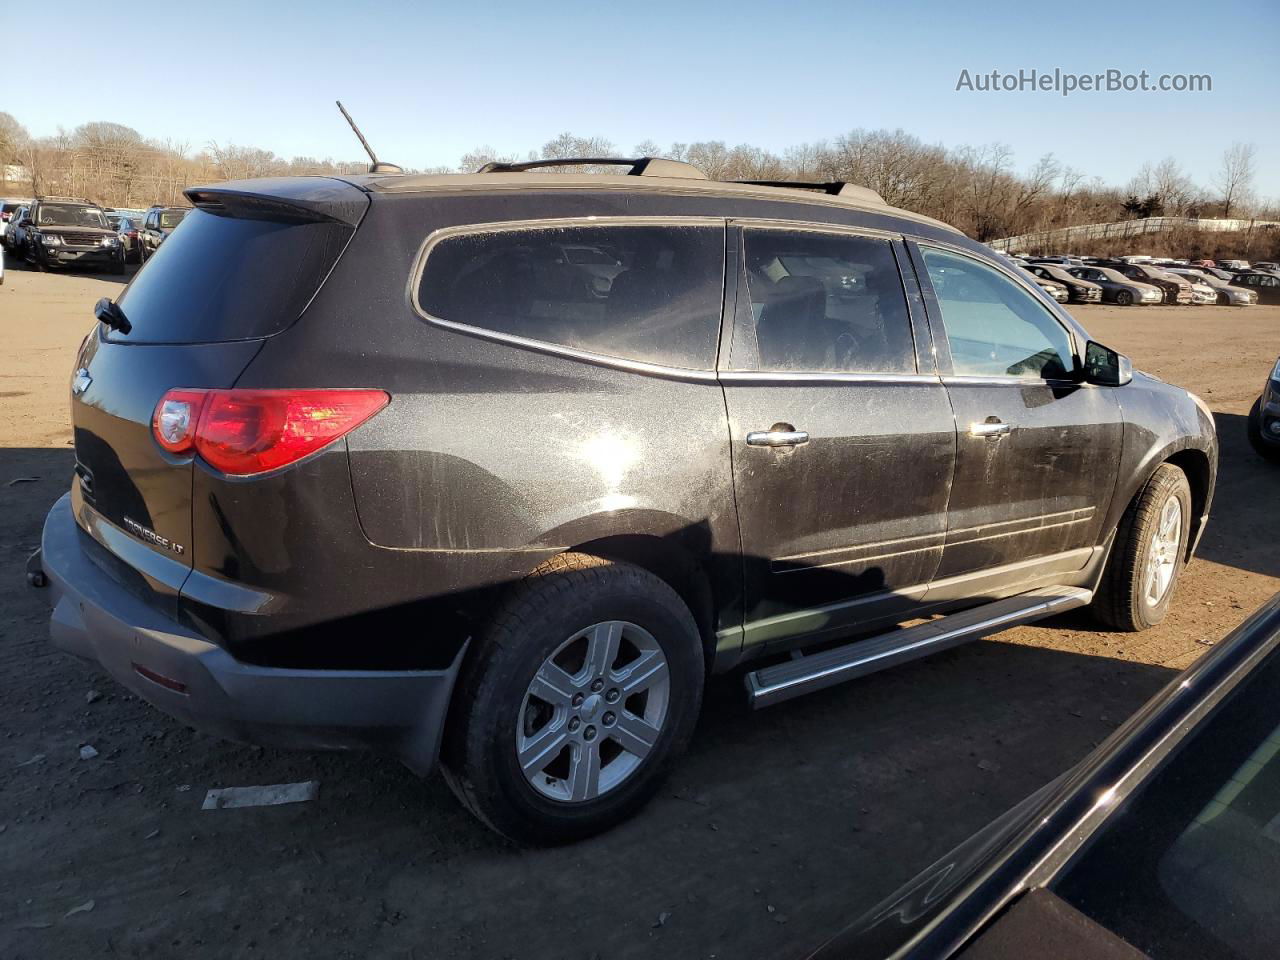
1117	288
1224	293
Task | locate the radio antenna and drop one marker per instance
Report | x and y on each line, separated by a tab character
376	165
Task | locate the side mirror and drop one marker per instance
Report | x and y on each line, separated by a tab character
24	222
1105	367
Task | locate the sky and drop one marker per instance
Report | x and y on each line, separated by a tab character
428	81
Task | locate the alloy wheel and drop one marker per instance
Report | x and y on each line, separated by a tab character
1162	556
593	712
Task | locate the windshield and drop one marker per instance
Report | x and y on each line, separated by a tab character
171	218
70	215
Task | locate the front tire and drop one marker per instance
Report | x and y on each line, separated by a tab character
577	697
1148	554
1124	298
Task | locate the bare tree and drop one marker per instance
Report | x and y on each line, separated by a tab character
1235	178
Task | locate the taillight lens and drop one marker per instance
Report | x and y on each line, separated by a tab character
246	432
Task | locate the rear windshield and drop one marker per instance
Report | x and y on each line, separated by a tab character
229	278
172	218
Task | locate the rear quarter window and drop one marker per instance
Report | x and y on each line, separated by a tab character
644	292
220	278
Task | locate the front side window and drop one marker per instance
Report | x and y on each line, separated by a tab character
994	326
827	303
635	292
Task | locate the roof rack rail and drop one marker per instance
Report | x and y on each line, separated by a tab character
640	166
66	199
835	188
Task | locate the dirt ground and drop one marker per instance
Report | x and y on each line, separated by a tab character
778	829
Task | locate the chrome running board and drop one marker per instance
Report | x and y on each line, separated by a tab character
817	671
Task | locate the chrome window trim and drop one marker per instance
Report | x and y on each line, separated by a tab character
812	226
774	376
441	234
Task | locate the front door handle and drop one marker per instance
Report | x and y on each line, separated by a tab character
992	428
779	435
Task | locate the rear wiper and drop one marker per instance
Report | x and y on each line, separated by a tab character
109	313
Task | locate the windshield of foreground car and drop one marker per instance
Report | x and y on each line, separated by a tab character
70	215
1189	869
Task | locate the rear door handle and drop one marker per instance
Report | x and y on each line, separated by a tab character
991	428
776	437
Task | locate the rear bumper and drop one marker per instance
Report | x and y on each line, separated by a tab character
202	685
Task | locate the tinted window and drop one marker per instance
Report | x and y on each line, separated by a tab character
995	326
648	293
228	278
826	303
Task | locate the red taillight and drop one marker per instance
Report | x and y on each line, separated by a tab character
245	432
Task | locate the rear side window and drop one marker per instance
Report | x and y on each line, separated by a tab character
825	303
994	326
636	292
220	277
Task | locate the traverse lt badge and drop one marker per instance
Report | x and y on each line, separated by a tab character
149	535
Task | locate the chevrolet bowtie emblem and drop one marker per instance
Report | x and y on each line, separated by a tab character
80	382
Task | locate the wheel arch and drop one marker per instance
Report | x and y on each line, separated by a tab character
1195	464
671	561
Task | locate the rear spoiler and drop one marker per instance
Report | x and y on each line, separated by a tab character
288	198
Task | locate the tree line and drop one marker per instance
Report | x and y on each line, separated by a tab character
976	188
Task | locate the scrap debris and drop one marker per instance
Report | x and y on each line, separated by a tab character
221	798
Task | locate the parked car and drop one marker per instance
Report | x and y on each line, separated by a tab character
1202	294
1234	264
159	223
1117	288
1176	289
1160	844
65	231
342	547
1054	289
1227	294
1266	286
1264	418
1078	290
15	235
7	209
1266	266
130	244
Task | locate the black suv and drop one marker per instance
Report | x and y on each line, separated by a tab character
66	231
495	468
156	227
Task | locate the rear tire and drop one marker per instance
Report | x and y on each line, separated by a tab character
1268	451
1148	554
1124	298
577	777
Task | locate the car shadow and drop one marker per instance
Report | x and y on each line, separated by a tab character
12	263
